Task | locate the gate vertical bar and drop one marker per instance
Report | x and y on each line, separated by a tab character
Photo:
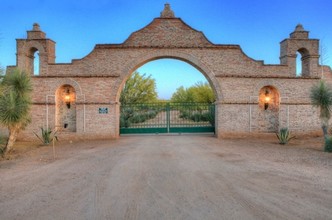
168	118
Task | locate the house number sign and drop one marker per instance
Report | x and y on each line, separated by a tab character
103	110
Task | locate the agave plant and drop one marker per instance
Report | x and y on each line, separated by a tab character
47	135
284	136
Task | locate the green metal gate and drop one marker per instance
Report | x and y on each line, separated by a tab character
167	118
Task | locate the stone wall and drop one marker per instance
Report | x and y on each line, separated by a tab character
97	80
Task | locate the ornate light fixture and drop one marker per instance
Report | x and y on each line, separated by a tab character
67	98
267	99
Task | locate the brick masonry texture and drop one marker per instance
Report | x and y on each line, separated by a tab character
238	80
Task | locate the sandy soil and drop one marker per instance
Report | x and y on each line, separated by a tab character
169	177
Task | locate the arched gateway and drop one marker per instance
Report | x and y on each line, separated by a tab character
81	99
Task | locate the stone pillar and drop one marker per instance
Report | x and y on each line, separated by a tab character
218	123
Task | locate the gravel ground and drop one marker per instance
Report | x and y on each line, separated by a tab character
170	177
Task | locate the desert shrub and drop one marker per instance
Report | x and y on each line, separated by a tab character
184	114
198	116
124	122
126	114
130	116
142	116
284	136
138	117
328	144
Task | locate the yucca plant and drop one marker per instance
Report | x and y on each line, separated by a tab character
321	97
284	136
15	103
47	136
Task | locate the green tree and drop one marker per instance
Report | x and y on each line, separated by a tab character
321	97
182	95
200	92
2	73
139	89
15	103
203	92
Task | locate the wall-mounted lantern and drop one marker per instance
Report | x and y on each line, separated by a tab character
267	100
67	99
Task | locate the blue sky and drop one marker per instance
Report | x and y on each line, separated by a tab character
256	25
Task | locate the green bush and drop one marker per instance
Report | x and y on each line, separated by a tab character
328	144
124	122
126	114
284	136
142	116
184	114
130	116
198	116
47	135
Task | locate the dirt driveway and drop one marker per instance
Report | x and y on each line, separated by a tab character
170	177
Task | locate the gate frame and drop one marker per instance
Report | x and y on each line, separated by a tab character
168	126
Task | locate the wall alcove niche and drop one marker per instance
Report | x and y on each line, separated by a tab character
269	103
65	114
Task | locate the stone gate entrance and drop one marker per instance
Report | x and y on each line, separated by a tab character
81	98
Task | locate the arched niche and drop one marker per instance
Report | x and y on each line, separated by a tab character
65	113
34	61
302	62
269	98
269	104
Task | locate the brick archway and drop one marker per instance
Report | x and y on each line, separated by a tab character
132	65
